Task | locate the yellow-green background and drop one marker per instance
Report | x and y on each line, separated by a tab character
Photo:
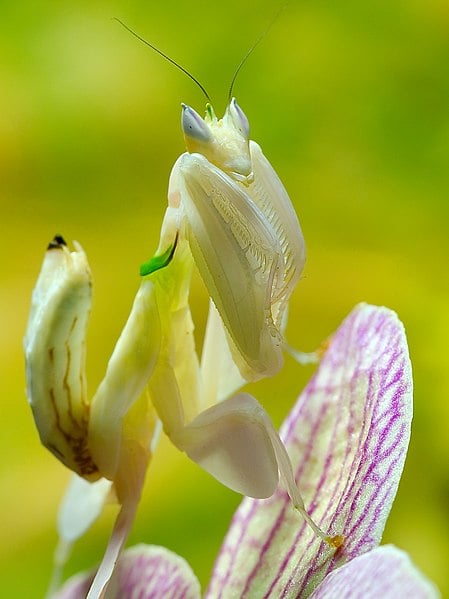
349	100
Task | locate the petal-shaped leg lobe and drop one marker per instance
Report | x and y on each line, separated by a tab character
230	441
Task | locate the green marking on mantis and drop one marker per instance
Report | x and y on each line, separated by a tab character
157	262
210	111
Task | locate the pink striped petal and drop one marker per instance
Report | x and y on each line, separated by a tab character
347	438
385	572
143	572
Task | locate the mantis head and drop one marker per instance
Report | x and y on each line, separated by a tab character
224	142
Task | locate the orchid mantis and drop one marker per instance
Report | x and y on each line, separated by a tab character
228	204
230	217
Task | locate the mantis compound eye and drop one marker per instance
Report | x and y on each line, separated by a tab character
193	125
239	118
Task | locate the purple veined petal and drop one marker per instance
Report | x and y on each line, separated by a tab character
347	437
143	572
76	587
385	572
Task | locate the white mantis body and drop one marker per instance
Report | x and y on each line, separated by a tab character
227	202
229	215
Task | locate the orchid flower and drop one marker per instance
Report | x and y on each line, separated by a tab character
347	437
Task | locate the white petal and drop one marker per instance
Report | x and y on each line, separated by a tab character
81	506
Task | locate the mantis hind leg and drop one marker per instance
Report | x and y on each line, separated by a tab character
236	442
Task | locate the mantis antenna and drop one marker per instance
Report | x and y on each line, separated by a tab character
252	48
181	68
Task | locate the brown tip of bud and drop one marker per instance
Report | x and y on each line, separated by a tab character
57	242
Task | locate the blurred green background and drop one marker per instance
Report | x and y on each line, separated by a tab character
350	102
